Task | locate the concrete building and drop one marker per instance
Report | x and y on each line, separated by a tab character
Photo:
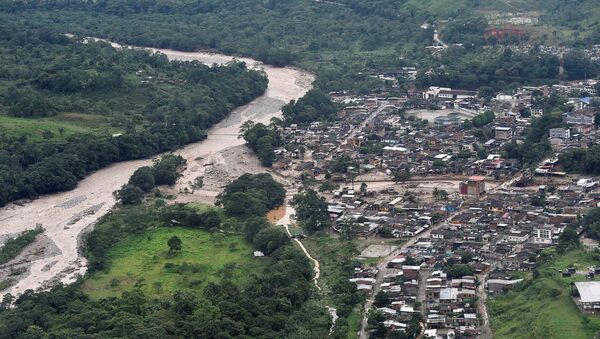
543	234
475	185
500	286
561	133
503	133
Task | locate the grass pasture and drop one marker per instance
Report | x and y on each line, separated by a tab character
543	308
68	123
143	261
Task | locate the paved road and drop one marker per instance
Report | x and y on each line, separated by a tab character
383	270
359	127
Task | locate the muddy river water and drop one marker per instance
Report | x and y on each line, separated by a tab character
65	215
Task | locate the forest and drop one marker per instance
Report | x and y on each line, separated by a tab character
124	105
580	160
344	44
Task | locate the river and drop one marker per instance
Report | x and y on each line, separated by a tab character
65	215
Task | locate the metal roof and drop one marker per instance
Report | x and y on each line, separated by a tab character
589	291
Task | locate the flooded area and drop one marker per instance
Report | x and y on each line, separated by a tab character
66	215
277	214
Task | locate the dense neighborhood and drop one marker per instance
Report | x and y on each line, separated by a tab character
431	169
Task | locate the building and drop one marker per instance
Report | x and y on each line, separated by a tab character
580	118
500	286
560	133
503	133
448	93
587	297
475	185
543	234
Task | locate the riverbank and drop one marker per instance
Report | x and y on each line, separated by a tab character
65	215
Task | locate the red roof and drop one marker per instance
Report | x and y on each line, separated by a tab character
476	178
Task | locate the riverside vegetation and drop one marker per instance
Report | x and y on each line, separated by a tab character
186	293
69	108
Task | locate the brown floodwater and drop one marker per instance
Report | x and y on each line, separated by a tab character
65	215
276	214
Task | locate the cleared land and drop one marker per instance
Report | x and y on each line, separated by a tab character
59	126
143	261
544	309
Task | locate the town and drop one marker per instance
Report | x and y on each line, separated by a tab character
446	218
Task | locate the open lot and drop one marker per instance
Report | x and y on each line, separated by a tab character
143	261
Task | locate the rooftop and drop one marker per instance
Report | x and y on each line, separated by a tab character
589	291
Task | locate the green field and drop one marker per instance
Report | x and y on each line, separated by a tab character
544	309
354	323
140	261
60	126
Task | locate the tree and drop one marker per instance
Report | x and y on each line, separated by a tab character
439	194
568	239
129	195
348	228
315	105
328	186
458	271
311	210
401	176
197	184
143	178
174	244
244	205
486	92
165	170
363	188
381	299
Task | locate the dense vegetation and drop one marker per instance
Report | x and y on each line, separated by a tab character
252	195
345	42
314	106
140	95
311	211
581	160
13	246
262	139
481	119
164	171
591	223
536	145
274	303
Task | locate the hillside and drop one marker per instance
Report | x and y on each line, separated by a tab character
542	306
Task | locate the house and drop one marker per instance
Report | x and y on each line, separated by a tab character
543	234
518	236
447	93
584	117
500	286
503	133
560	133
587	296
475	185
411	272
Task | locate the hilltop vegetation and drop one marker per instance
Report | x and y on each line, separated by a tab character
542	307
60	99
143	262
345	42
